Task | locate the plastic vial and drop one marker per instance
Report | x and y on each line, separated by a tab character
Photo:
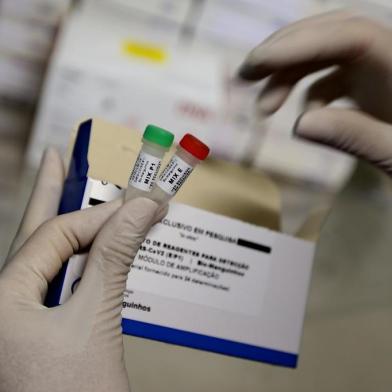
156	142
190	152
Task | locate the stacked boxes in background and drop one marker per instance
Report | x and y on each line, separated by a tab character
27	31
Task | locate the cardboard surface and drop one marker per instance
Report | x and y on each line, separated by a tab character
216	185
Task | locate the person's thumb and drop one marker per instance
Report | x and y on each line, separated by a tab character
39	260
351	131
101	290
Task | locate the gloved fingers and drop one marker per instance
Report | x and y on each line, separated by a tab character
312	21
161	212
44	199
280	85
39	260
326	90
349	130
326	45
100	293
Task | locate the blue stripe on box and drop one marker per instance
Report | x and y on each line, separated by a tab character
71	199
208	343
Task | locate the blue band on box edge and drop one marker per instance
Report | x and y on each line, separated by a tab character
71	199
208	343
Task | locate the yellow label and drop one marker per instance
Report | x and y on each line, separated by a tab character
149	52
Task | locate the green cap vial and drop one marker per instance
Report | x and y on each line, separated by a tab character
156	142
157	135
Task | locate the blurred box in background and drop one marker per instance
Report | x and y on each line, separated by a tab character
172	63
44	12
27	33
104	66
242	24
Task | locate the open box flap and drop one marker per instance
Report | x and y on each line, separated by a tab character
216	185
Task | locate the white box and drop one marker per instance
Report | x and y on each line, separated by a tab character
182	92
200	279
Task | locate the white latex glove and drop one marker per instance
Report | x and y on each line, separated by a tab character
77	346
361	51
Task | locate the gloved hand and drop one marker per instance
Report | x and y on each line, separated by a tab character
77	346
360	50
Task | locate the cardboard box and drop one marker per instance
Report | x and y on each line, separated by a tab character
216	274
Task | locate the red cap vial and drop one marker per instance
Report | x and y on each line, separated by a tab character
194	146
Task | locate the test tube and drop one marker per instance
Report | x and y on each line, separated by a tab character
156	142
190	152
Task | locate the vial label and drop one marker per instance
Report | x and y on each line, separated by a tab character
145	171
174	175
